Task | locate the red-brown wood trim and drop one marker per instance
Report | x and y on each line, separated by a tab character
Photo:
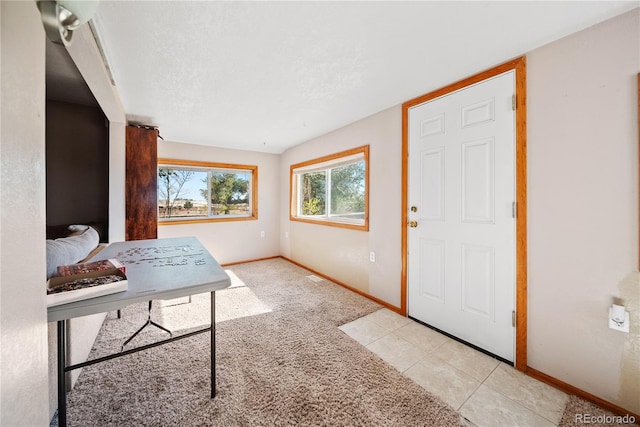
521	214
519	65
228	264
477	78
317	273
206	220
404	187
333	223
344	285
141	200
569	389
365	227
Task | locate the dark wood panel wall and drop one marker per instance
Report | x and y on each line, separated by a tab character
77	159
141	184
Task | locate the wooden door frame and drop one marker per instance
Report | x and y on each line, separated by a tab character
519	66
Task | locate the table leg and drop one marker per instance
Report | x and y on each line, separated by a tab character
62	392
213	344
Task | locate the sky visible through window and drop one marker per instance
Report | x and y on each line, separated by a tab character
192	188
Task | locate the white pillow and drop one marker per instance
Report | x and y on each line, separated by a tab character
70	250
76	229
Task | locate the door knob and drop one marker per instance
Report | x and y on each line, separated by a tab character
413	224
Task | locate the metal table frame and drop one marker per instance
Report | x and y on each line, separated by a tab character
117	301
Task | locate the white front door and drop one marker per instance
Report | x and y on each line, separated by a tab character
461	261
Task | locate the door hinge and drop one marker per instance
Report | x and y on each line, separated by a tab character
513	209
513	102
513	318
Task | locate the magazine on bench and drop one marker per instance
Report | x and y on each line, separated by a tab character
66	289
105	264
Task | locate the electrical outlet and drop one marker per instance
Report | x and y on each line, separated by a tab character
620	321
286	234
262	234
372	256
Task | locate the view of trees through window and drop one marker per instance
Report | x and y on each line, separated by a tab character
229	193
313	193
201	193
346	192
332	190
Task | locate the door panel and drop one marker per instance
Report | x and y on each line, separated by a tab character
432	283
478	284
432	195
477	181
461	261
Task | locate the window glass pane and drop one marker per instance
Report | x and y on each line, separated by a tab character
182	193
230	193
347	191
313	193
205	191
332	190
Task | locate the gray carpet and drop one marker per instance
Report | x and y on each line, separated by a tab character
281	360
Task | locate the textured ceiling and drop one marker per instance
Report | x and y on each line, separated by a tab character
265	76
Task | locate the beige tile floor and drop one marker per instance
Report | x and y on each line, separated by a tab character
486	391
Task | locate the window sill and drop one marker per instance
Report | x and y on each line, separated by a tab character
206	220
333	223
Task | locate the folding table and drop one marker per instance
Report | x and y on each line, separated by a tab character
157	269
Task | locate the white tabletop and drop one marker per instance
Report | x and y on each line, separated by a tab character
156	269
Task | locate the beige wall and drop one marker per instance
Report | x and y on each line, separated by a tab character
23	313
117	181
233	241
583	205
583	209
343	254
